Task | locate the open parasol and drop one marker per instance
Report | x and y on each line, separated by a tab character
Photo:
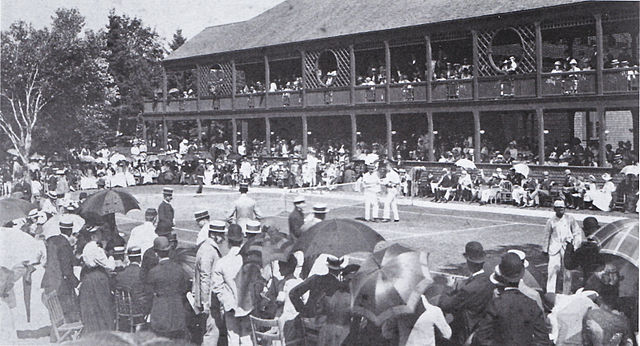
389	283
267	247
466	164
620	238
186	258
522	169
631	169
336	237
109	202
13	208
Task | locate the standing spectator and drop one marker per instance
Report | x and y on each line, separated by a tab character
391	181
628	189
296	218
142	236
561	229
165	209
423	332
371	187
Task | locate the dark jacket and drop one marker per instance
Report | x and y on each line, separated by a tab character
513	319
58	274
318	286
169	283
165	213
296	220
468	305
129	278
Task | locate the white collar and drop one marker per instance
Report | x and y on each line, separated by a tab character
481	271
511	288
163	259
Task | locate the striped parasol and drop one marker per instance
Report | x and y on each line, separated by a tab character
267	247
109	202
620	238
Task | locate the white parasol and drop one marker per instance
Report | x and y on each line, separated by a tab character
466	164
522	169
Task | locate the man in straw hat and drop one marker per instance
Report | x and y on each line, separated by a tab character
512	318
165	209
253	229
142	236
296	217
48	204
561	229
319	214
202	219
468	302
244	208
207	256
391	181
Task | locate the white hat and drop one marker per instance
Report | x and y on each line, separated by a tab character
558	204
298	199
573	62
522	255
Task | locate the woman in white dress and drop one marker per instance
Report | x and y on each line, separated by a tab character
602	198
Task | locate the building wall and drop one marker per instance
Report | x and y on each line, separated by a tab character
619	125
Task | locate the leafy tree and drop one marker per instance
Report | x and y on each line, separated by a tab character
50	78
178	40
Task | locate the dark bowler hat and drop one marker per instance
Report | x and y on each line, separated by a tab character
134	251
203	214
151	212
217	226
510	269
590	225
161	244
163	228
83	195
235	233
474	252
66	225
167	191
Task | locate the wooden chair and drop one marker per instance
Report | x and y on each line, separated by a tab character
504	196
128	312
61	328
618	202
266	332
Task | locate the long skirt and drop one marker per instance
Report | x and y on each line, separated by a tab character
97	308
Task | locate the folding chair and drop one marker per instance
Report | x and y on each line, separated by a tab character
269	332
127	311
61	328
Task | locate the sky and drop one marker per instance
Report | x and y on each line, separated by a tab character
165	16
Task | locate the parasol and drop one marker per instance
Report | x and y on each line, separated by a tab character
389	283
117	158
87	159
52	226
522	169
466	164
336	237
267	247
14	208
108	202
186	258
631	169
620	238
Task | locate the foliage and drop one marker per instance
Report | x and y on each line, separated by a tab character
178	40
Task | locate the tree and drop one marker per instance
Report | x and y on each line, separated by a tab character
50	77
178	40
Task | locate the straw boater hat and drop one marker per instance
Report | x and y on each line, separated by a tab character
66	225
298	199
320	209
52	195
202	214
253	227
134	251
510	269
167	191
217	226
118	250
606	177
573	62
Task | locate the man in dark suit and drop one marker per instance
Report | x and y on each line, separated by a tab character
468	302
512	318
129	279
58	274
165	210
169	283
318	286
296	218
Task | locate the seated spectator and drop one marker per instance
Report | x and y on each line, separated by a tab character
628	189
602	198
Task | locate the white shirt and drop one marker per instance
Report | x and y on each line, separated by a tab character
289	311
203	234
422	333
560	231
142	236
371	182
94	256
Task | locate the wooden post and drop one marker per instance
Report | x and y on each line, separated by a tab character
233	84
387	60
430	153
165	134
429	74
304	79
387	117
352	75
476	61
538	60
144	133
165	90
267	133
634	129
199	123
354	133
602	157
234	135
540	121
267	81
304	135
599	57
476	137
244	130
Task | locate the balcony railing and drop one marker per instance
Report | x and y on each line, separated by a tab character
624	80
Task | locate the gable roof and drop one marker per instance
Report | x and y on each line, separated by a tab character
304	20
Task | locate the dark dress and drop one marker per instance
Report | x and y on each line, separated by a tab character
97	308
169	283
296	220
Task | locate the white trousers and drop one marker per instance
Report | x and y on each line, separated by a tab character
391	203
370	202
555	267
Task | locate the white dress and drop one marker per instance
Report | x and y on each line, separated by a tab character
602	198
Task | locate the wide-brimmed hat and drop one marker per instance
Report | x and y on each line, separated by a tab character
118	250
161	244
253	227
474	252
573	62
202	214
235	233
510	269
558	203
557	63
606	177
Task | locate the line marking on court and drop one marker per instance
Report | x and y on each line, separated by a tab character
456	231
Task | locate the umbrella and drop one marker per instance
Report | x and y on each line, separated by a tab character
336	237
87	159
116	158
267	247
186	258
108	202
390	283
620	238
52	226
628	286
13	208
522	169
631	169
466	164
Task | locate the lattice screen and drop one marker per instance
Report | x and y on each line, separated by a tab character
210	80
343	73
526	64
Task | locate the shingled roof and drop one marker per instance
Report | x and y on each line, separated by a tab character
304	20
